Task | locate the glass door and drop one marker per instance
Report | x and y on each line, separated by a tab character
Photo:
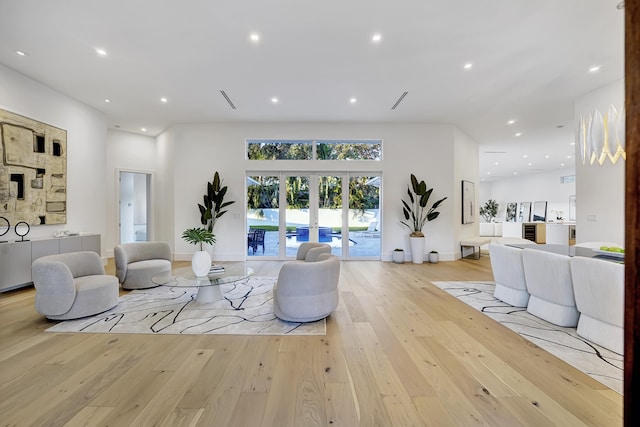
329	225
134	192
285	210
297	214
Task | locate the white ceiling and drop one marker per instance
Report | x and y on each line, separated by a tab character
530	61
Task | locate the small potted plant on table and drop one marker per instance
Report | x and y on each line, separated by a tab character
201	260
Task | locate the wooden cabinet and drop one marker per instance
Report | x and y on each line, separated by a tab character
16	257
535	231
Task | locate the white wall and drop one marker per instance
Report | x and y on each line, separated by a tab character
192	153
466	168
600	188
544	186
133	153
86	149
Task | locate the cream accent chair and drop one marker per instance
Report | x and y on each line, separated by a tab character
138	262
307	291
309	251
508	272
73	285
599	289
549	282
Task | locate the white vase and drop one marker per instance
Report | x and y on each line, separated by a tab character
417	249
201	263
434	257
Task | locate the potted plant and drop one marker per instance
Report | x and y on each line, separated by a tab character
489	211
416	214
398	255
434	257
214	203
201	260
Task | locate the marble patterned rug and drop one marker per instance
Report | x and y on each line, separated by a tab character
599	363
247	309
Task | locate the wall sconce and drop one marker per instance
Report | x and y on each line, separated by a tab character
600	138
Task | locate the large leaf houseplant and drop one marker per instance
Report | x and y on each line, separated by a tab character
417	213
213	206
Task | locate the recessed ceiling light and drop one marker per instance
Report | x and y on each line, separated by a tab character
101	52
468	66
488	173
107	101
496	163
529	164
515	173
510	122
143	129
525	156
353	100
594	68
546	157
254	37
376	37
569	156
274	100
518	134
572	143
164	100
561	164
21	53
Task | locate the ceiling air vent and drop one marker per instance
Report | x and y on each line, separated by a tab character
228	99
495	152
399	100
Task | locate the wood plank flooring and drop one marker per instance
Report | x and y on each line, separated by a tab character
398	352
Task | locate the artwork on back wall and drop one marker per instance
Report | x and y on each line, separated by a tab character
468	202
33	171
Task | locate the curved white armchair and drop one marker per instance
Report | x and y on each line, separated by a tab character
309	251
138	262
549	282
307	291
73	285
599	289
508	272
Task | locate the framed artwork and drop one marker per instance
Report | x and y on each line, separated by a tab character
468	202
524	215
33	171
511	212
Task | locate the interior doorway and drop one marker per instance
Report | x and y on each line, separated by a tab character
134	219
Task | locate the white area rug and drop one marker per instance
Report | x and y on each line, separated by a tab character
247	309
599	363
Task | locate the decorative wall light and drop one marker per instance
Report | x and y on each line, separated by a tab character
602	137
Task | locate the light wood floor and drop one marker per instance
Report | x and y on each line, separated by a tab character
398	352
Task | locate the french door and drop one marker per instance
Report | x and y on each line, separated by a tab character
340	209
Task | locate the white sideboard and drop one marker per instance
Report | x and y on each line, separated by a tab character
16	257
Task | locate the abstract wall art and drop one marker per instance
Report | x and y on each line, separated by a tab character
33	171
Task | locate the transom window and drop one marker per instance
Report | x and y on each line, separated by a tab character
280	149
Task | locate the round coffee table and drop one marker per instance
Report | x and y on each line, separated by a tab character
209	286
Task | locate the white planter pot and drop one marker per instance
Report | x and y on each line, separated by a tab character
201	263
417	249
398	257
434	257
